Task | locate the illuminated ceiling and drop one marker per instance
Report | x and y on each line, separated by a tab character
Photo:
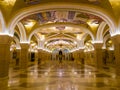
59	36
14	6
86	20
62	16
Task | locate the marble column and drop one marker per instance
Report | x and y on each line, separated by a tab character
82	57
18	56
77	55
11	57
110	55
98	55
116	41
39	56
5	42
24	56
74	56
36	56
104	52
38	53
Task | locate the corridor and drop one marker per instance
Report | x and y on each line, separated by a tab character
59	44
67	75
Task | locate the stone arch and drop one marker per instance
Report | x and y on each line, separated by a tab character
105	40
17	42
83	29
17	33
80	7
23	37
83	39
99	35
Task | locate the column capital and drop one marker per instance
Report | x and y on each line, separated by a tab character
81	50
98	45
40	50
24	45
18	49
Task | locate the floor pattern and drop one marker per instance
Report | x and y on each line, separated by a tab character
61	76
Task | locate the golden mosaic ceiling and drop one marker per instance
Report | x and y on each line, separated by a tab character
64	16
14	6
53	17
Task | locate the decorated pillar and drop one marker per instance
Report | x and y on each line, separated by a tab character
18	56
39	56
24	56
104	52
98	55
116	41
4	60
82	57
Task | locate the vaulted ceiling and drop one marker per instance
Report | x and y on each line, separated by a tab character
59	27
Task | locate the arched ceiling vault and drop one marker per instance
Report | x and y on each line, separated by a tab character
80	7
51	22
60	22
17	42
51	28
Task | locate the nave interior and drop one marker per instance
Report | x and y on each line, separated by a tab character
59	44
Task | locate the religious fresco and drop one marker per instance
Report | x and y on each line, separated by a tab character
32	2
63	16
94	1
71	15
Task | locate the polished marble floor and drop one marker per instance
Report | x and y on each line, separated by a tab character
53	75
